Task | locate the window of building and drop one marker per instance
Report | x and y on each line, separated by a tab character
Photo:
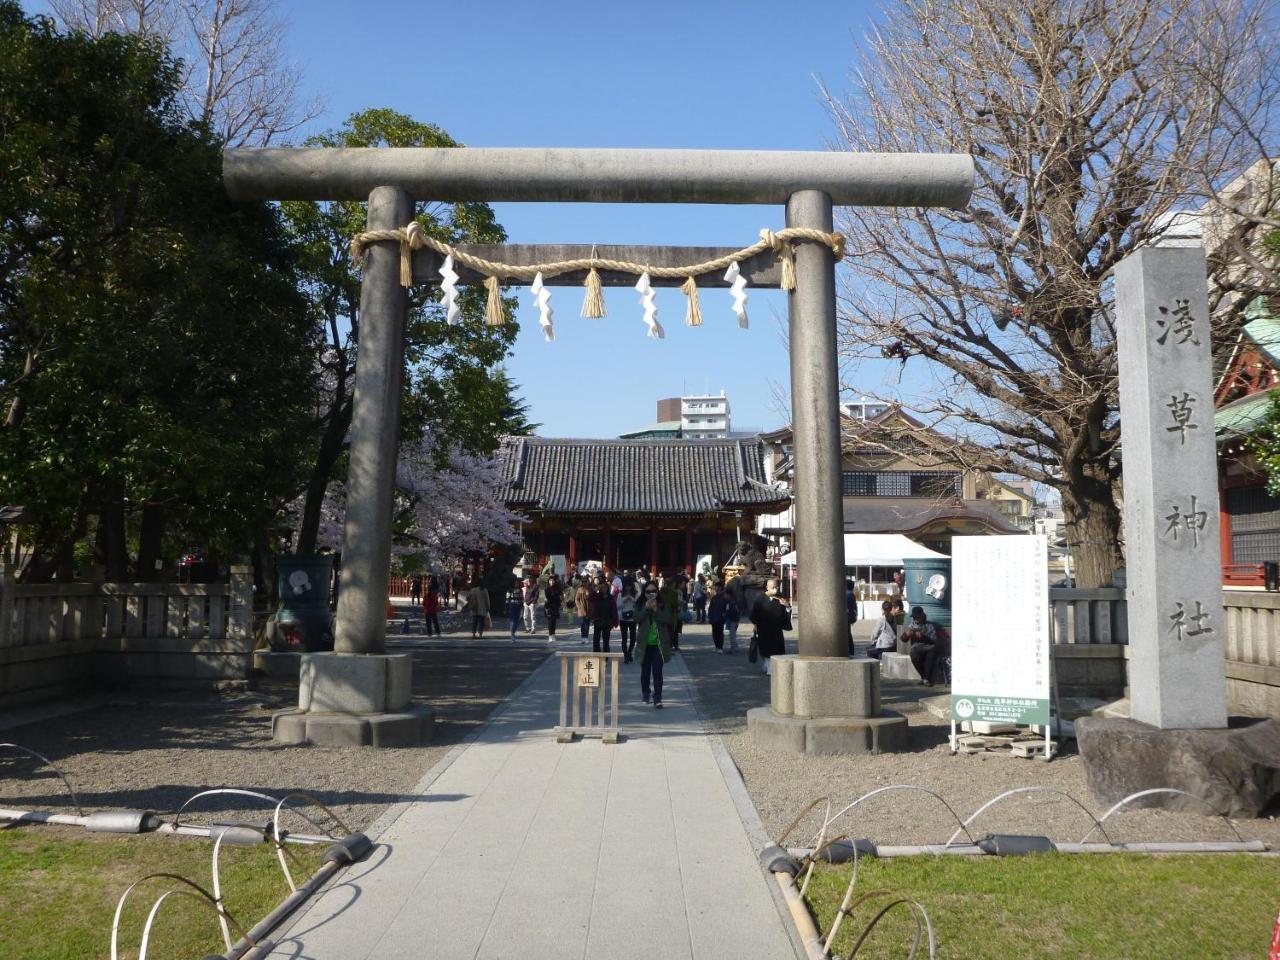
1255	525
900	483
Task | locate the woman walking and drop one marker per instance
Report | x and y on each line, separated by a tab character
655	643
554	596
515	604
604	614
627	604
478	604
582	606
715	613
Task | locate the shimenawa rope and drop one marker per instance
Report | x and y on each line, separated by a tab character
413	237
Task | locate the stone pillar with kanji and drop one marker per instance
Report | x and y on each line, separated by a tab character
1177	675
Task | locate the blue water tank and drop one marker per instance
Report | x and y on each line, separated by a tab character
920	575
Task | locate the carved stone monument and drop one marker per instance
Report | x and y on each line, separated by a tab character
1176	673
1177	676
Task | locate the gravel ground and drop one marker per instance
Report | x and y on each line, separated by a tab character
154	753
782	784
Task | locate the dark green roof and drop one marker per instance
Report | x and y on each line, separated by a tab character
1243	417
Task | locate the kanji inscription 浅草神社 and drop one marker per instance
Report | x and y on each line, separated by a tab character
1176	671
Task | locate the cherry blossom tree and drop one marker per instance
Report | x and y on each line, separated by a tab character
447	506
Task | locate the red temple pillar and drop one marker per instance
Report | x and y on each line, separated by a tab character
608	543
719	560
688	549
573	549
542	538
653	548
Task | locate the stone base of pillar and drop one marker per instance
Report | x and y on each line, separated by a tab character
1234	772
897	666
826	705
351	700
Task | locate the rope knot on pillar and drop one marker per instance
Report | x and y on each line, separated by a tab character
411	239
786	256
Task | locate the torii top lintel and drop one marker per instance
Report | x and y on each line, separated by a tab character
599	175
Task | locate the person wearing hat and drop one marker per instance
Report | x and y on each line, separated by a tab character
923	637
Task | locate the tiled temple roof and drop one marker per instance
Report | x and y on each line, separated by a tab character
656	476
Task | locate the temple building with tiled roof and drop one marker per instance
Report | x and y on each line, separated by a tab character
1249	516
655	503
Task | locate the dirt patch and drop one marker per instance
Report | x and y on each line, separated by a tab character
154	753
782	784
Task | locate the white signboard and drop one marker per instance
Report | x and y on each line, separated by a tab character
1000	630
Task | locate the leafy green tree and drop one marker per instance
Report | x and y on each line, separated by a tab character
1265	445
451	388
155	355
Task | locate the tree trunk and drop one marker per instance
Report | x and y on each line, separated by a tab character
111	540
1093	527
327	456
149	542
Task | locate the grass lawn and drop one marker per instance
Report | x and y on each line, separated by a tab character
59	887
1081	907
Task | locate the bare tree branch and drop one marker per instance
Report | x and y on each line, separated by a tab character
236	78
1089	121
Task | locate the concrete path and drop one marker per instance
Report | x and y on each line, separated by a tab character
526	848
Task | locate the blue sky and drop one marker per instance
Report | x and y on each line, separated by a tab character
581	74
559	73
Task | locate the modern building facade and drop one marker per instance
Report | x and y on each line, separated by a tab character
701	417
705	417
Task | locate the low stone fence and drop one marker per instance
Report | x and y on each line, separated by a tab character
59	637
1089	629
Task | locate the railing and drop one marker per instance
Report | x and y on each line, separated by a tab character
1253	628
1243	575
55	612
1088	616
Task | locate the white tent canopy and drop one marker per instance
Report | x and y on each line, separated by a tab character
877	550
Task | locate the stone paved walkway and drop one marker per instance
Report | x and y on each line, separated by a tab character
526	848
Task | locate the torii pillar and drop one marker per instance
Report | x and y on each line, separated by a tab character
822	701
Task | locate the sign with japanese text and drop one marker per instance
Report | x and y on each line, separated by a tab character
586	671
1000	656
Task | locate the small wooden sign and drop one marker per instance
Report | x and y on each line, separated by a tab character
587	672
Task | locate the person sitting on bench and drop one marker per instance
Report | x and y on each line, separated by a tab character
923	637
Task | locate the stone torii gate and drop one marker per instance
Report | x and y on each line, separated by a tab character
358	694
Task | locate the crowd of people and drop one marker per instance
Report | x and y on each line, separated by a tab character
649	613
